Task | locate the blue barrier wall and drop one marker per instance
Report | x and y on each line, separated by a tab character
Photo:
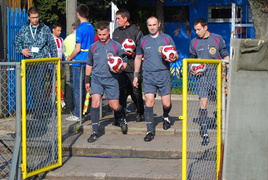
15	20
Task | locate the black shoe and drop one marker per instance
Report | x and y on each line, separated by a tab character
116	122
92	138
205	141
139	118
166	123
123	125
149	136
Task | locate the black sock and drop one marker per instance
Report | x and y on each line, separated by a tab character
149	118
120	113
203	115
166	111
95	116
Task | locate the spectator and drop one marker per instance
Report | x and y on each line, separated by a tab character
156	74
84	38
69	41
26	40
69	46
206	46
56	31
124	31
104	78
35	41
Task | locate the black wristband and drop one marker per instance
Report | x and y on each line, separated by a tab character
136	74
87	79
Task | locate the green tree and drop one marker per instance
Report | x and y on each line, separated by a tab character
51	11
259	9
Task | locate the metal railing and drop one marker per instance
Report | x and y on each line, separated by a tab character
10	121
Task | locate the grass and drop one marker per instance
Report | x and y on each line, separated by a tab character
176	91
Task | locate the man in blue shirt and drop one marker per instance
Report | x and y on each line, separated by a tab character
85	35
206	46
104	78
156	74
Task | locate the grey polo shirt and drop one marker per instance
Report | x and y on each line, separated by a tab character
151	49
213	47
98	57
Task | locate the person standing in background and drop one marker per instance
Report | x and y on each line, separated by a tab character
69	46
56	31
85	35
34	41
69	41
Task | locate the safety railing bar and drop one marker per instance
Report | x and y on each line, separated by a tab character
72	62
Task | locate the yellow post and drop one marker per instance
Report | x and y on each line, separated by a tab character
23	123
218	117
59	111
184	121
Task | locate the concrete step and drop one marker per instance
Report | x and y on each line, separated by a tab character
84	168
139	128
134	128
123	146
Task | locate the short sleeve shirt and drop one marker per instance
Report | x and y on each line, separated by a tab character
98	57
85	35
213	47
151	49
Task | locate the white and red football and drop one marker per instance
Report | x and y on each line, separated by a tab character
115	62
128	45
168	52
197	68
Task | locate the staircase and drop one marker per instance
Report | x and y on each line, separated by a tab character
116	156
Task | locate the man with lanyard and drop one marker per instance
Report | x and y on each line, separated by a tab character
104	78
206	46
156	74
124	31
35	41
85	34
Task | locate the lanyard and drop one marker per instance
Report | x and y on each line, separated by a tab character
33	35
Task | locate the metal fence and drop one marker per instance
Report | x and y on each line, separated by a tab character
10	127
201	128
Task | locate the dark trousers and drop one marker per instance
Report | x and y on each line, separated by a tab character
126	88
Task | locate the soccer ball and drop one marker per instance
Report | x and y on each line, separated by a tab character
115	62
128	45
168	52
197	69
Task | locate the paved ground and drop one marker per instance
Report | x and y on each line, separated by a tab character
117	156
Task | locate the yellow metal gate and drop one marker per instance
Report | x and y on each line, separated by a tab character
201	137
41	116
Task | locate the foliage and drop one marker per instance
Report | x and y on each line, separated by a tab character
51	11
99	10
259	9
